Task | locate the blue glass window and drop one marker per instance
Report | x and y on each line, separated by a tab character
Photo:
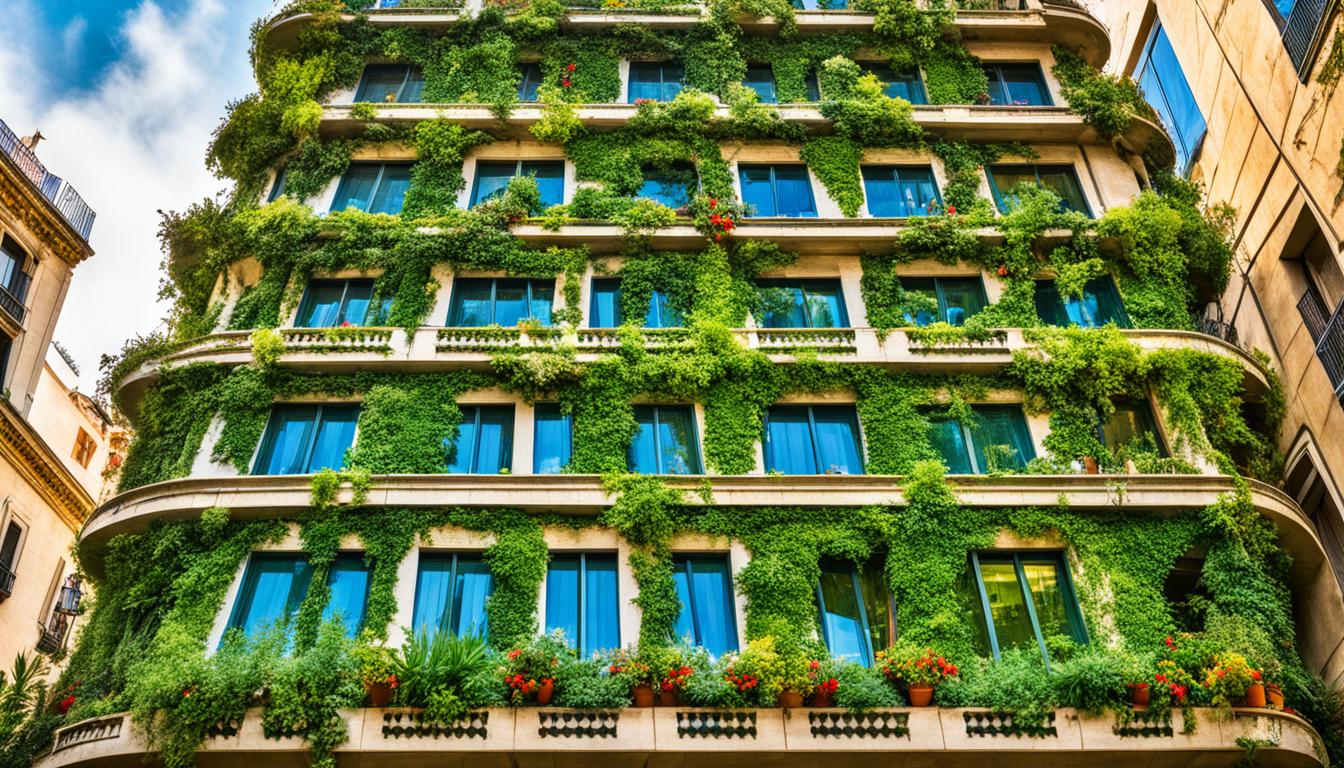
303	439
277	187
451	593
605	307
1060	179
492	178
1018	85
582	600
553	439
1098	305
998	440
656	80
813	440
900	191
373	187
1022	599
1164	83
333	303
13	260
672	187
802	304
761	79
503	301
854	606
274	586
666	442
529	79
390	84
705	589
348	581
484	443
777	190
906	85
1131	424
813	86
958	298
820	5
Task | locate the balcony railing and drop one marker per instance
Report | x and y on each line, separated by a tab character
1330	349
6	581
1220	329
12	305
63	196
51	637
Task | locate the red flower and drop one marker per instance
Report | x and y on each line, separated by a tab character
713	203
1003	270
345	324
718	236
186	692
951	210
1178	692
1170	642
1255	675
566	82
570	67
815	664
393	682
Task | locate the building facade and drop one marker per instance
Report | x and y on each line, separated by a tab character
783	362
44	228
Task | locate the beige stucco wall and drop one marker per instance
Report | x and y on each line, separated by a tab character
42	564
58	418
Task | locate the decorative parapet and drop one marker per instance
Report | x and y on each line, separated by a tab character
789	340
867	725
989	723
578	724
1145	725
338	340
412	724
716	724
97	729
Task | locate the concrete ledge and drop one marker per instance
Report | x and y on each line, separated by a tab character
696	737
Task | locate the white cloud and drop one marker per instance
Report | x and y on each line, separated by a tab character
131	143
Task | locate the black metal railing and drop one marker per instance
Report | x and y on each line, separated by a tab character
1330	350
51	638
11	305
1314	313
6	581
71	206
1223	330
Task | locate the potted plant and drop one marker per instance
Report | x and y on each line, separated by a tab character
529	671
635	667
825	675
377	670
1232	682
917	670
677	672
1274	694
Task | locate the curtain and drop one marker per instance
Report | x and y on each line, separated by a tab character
643	454
358	294
680	455
471	303
273	587
356	188
335	434
433	590
757	191
793	192
286	443
761	79
838	440
604	310
495	440
602	615
391	189
1001	432
380	81
684	627
840	614
415	86
322	305
712	589
492	176
470	593
465	444
788	441
550	177
950	443
529	81
553	441
562	596
542	297
348	580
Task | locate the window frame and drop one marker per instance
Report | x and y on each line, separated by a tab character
685	561
870	67
454	306
305	304
268	436
1068	592
579	642
1143	410
868	652
662	65
526	70
506	457
19	279
857	434
801	283
85	447
1062	304
698	469
377	185
247	588
1193	148
973	449
997	80
774	189
895	170
774	86
1001	195
940	295
658	303
454	557
14	520
474	199
406	80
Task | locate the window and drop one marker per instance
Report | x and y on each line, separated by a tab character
553	439
996	440
802	304
705	589
373	187
899	191
666	441
303	439
672	186
1131	425
13	260
777	190
529	79
4	361
906	84
1060	179
656	80
1018	85
1303	29
605	308
813	86
761	79
582	600
277	187
274	586
493	176
957	298
820	5
484	441
854	606
1024	598
390	84
813	440
334	303
348	580
1164	83
451	592
10	548
85	447
503	301
1098	305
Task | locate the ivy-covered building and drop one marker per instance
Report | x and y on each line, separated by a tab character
778	364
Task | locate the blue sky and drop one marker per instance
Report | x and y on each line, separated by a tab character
127	93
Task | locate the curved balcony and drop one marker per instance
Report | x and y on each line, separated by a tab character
700	738
437	349
1047	21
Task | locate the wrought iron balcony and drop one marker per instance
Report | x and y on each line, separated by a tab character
12	305
62	195
51	637
6	581
1328	333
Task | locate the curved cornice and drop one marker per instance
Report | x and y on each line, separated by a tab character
34	461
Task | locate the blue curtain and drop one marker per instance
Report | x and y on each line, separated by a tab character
348	580
553	439
379	82
358	295
950	442
1001	426
482	301
761	79
450	593
289	433
660	81
465	444
511	303
894	191
433	592
679	452
602	614
604	311
838	440
529	80
322	304
356	187
391	191
842	619
757	189
335	435
471	591
642	456
777	190
661	312
562	596
273	587
788	441
484	442
1098	305
705	588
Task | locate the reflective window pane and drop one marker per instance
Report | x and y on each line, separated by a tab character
382	83
843	624
1132	424
528	82
604	310
1012	625
335	435
601	605
1001	439
274	586
321	304
665	442
950	442
1017	85
761	79
897	191
357	187
484	444
1167	89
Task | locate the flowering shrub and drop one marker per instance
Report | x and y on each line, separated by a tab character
915	666
716	217
1229	678
528	668
824	675
633	665
377	663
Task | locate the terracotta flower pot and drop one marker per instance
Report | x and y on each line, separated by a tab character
1255	696
643	695
1090	465
545	691
822	700
921	695
670	698
790	699
1140	695
1275	695
380	694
